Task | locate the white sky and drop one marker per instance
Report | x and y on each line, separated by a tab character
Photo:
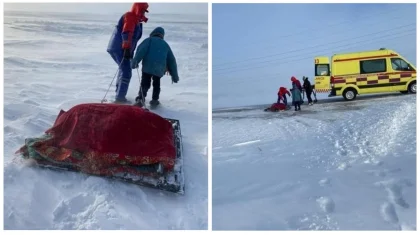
111	8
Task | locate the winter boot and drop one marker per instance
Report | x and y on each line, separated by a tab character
120	100
154	102
139	104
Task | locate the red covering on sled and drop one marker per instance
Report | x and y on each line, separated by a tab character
277	107
109	138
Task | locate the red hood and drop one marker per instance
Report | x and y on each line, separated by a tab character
139	8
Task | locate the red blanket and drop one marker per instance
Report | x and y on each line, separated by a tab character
277	107
98	137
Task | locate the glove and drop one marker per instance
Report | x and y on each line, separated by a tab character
175	79
127	54
144	19
134	64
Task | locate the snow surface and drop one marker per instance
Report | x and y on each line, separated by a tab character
55	61
331	166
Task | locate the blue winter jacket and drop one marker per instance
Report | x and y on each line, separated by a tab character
156	55
117	37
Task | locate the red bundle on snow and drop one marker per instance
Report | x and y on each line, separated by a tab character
105	139
276	107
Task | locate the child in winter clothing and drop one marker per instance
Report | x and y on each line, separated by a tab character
157	58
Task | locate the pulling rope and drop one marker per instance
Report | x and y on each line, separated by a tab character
103	99
143	101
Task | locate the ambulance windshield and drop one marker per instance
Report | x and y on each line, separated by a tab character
399	64
322	70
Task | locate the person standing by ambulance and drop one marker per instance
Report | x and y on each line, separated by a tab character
296	91
308	89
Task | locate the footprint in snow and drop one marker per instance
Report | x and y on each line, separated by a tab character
389	214
326	204
394	188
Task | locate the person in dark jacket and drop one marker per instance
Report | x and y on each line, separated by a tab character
308	89
157	58
123	43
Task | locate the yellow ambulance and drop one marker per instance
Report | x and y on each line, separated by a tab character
366	72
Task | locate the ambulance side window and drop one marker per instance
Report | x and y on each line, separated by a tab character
322	70
373	66
399	64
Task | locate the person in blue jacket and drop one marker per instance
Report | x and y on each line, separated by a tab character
157	59
122	44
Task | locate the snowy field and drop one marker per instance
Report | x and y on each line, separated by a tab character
54	61
331	166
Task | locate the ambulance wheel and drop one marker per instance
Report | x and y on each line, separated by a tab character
349	94
412	88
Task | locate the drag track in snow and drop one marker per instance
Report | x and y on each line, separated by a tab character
331	166
322	99
55	61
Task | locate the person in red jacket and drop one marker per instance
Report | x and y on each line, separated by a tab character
297	82
298	85
123	43
282	95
